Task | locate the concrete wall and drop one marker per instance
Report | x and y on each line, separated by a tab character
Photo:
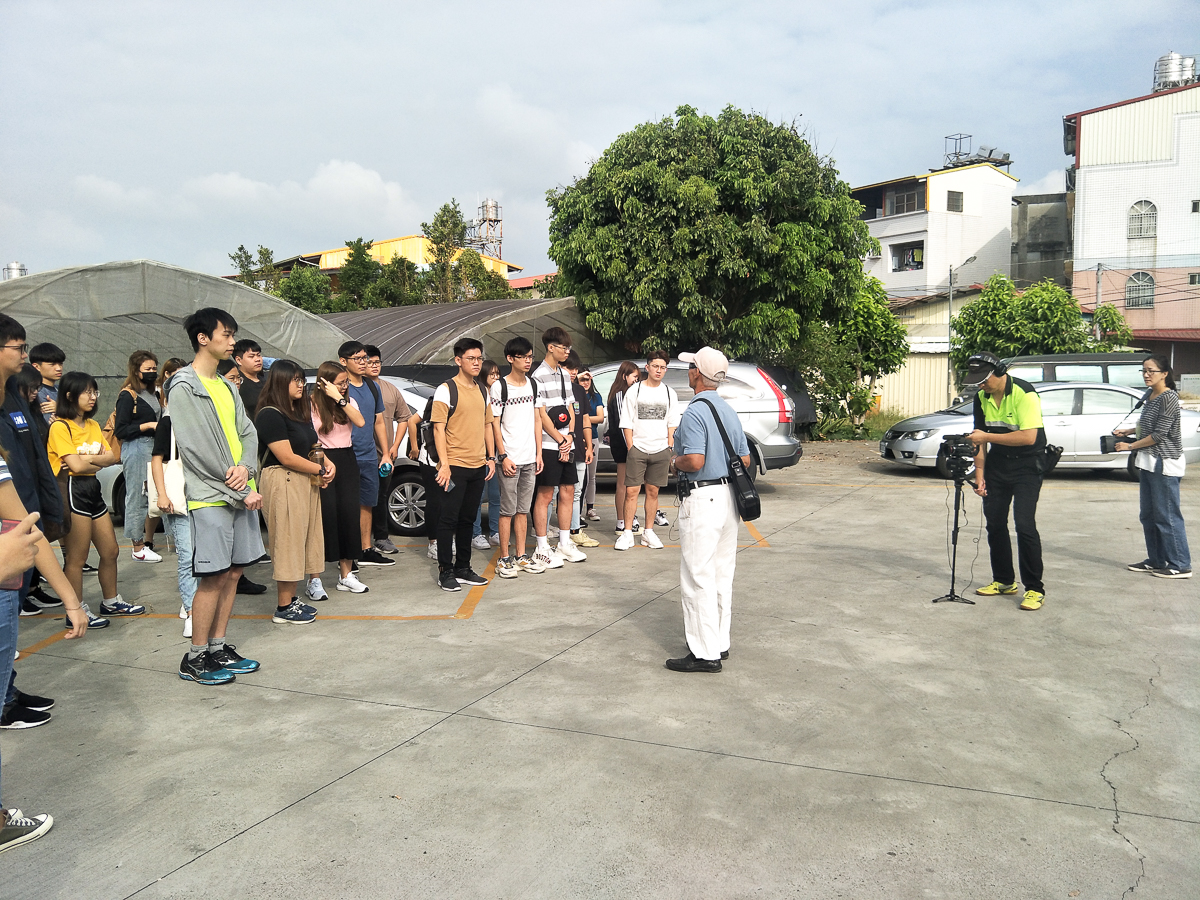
1041	239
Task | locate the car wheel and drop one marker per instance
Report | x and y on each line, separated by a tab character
406	504
117	512
942	467
1130	469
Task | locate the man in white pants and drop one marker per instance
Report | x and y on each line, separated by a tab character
708	517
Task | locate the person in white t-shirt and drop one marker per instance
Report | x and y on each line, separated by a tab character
650	413
518	430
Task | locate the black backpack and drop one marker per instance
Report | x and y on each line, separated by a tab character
425	429
504	394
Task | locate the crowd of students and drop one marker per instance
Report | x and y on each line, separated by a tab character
218	449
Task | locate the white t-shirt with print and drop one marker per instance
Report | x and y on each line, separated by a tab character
517	421
649	412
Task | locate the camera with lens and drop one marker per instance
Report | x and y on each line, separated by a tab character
1108	442
958	450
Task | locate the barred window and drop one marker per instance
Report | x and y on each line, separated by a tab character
954	201
1143	220
1139	291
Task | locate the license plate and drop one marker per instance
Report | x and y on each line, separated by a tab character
882	448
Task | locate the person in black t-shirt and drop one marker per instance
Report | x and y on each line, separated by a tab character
247	356
290	487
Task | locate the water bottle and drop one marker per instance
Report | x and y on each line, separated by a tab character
317	455
385	470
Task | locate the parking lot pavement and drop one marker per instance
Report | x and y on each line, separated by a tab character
524	740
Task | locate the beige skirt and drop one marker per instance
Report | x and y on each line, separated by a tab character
292	509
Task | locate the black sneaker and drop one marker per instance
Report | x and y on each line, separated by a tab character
229	659
1170	572
21	829
467	576
691	663
251	588
372	557
89	569
447	582
41	599
203	670
29	608
17	716
1143	566
32	701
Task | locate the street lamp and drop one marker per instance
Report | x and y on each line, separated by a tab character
950	329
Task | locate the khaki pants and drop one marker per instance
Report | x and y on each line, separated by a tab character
292	508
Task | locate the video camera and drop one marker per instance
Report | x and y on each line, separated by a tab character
959	452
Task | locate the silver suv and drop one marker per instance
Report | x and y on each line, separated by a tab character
765	411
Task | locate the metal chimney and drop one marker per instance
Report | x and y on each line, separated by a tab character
1174	70
14	270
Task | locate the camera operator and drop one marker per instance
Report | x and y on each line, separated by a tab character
1012	443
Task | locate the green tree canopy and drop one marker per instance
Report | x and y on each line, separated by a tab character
257	272
399	284
693	230
1043	319
307	288
358	272
475	281
447	234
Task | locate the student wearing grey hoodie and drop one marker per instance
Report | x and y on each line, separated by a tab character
218	444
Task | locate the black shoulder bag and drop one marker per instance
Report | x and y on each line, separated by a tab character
745	494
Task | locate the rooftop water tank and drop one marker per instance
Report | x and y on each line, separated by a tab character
14	270
1174	70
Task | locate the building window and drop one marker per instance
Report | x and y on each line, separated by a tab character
1196	206
899	202
1143	220
1194	278
908	257
953	201
1139	291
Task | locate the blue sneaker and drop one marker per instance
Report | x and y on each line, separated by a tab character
294	613
204	670
229	659
118	607
93	621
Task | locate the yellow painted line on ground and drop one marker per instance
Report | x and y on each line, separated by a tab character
942	484
760	541
475	594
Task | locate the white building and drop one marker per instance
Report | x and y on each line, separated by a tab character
926	224
1137	216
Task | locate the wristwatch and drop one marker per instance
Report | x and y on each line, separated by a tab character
501	457
490	459
343	402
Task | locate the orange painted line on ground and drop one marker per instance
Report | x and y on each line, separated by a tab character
475	594
42	645
754	533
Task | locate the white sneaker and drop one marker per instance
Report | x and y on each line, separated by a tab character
650	539
481	542
432	552
568	551
625	541
548	559
661	520
315	590
494	540
146	555
531	565
352	584
187	627
183	611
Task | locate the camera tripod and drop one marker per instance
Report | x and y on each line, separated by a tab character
954	596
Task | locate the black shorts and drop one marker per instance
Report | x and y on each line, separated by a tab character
555	471
83	492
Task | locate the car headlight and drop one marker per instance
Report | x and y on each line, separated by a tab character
921	435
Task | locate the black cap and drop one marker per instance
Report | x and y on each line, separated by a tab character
980	366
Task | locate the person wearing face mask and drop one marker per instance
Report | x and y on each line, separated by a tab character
136	419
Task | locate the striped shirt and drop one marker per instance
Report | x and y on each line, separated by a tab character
1160	418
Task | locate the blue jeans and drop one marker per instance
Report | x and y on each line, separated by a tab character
1162	521
491	491
10	610
135	457
181	533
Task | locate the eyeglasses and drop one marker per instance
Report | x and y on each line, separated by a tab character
1151	371
358	359
95	395
471	359
23	348
374	362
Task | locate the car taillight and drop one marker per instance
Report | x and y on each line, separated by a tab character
785	405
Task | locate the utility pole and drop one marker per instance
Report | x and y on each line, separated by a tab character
1095	324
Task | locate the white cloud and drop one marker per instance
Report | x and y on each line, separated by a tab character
1053	182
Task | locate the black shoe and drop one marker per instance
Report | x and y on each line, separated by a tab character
89	569
17	716
690	663
372	557
229	659
32	701
41	599
203	670
447	582
264	560
353	566
246	586
29	608
724	654
467	576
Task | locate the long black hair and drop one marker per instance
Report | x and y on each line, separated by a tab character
276	391
1163	363
72	385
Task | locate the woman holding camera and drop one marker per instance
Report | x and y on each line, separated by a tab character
1161	464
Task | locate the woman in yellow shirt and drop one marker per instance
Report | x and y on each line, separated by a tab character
76	444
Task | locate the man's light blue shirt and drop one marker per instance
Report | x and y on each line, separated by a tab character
698	433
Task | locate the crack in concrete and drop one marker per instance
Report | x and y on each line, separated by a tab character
1116	806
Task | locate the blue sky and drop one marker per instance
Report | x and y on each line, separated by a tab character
176	133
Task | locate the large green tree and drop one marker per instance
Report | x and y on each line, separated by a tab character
447	234
257	272
693	230
475	281
399	284
1042	319
309	289
358	272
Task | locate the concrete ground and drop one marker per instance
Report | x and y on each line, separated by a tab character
525	741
